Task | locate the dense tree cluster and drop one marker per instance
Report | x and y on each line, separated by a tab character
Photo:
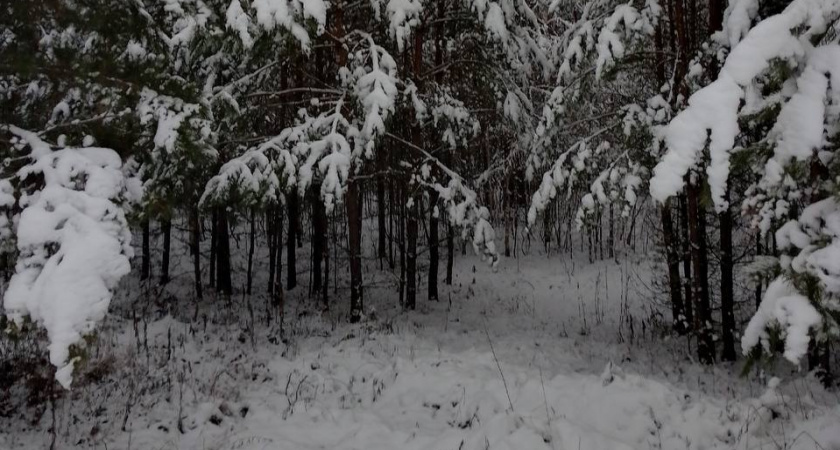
444	119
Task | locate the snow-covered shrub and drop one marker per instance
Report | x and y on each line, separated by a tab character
73	240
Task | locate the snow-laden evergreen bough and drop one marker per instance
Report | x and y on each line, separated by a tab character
332	141
610	170
72	240
794	55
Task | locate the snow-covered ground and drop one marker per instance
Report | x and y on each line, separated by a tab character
545	353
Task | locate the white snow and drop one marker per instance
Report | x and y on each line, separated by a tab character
74	244
782	306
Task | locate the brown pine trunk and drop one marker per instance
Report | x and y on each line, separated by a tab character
195	249
277	296
434	257
411	257
146	265
251	246
166	228
727	300
702	316
688	285
354	219
273	246
291	240
382	252
223	269
668	236
214	246
401	244
450	253
319	224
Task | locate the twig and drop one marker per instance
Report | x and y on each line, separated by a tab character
495	358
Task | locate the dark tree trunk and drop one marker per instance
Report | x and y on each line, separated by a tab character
411	257
325	291
354	219
716	8
380	213
319	223
291	240
450	253
166	228
277	296
252	236
223	275
195	249
214	246
688	285
273	245
702	316
727	301
758	251
434	257
146	265
401	244
668	235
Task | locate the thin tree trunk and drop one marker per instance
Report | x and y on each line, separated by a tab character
273	246
450	253
758	251
434	257
223	273
685	240
677	306
411	257
146	265
291	240
214	246
277	295
354	218
380	212
401	245
195	249
727	301
319	224
251	244
702	316
166	227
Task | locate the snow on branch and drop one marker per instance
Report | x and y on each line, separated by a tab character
73	241
790	313
711	118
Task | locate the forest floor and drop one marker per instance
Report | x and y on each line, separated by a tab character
544	353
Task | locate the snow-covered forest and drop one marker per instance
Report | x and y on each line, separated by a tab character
420	224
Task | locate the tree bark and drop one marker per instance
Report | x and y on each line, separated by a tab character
223	268
727	300
319	224
195	249
166	228
273	245
214	246
411	257
354	219
291	240
434	257
146	265
668	236
251	244
702	316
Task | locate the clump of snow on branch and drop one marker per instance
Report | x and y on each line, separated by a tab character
238	21
288	14
73	241
794	316
711	118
